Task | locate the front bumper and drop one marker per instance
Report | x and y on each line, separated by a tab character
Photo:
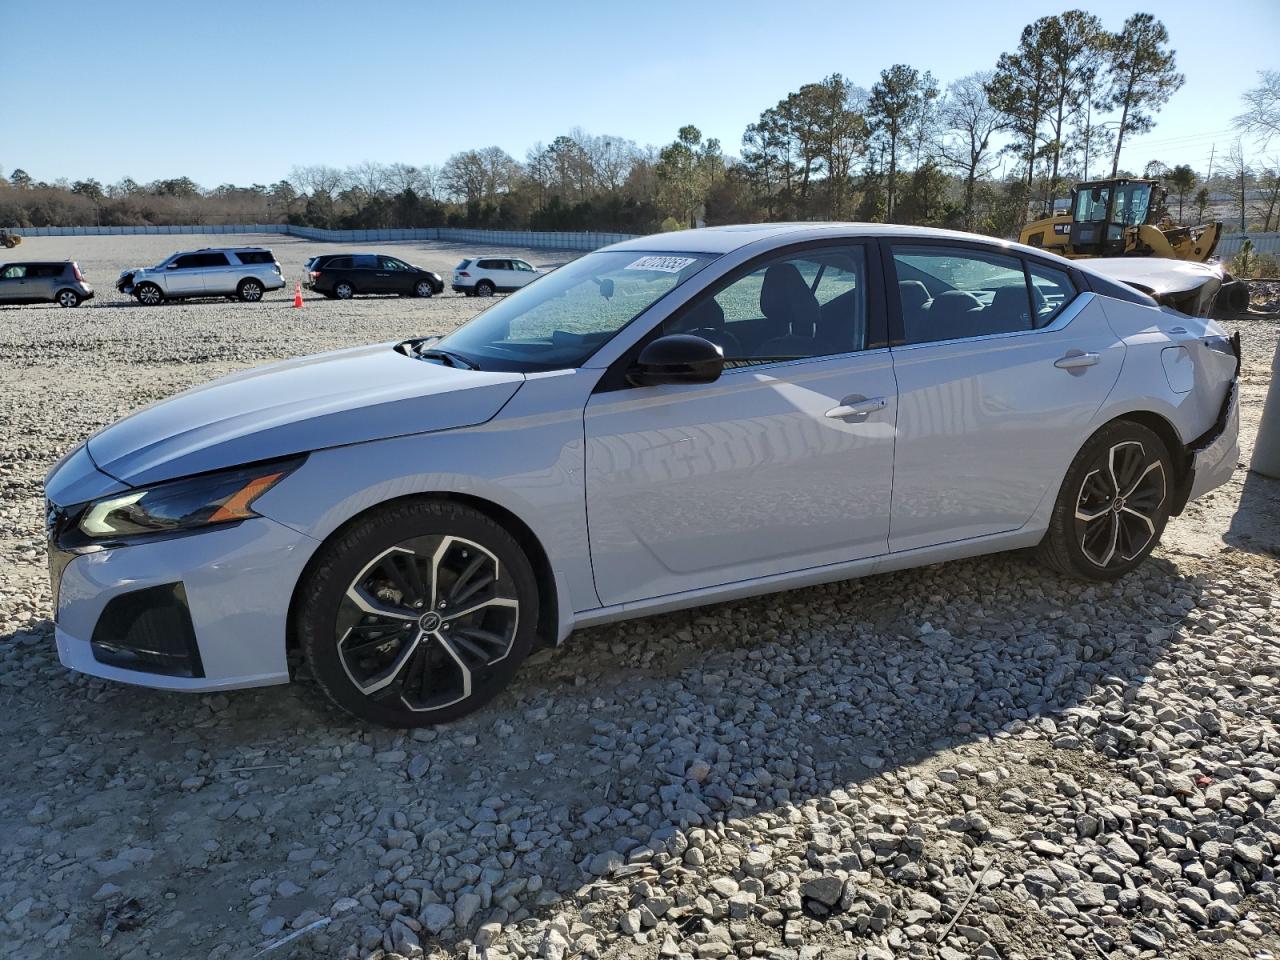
234	582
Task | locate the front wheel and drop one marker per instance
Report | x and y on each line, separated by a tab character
419	614
149	295
423	288
68	298
1113	505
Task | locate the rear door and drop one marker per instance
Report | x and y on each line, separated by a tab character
364	274
1001	364
42	278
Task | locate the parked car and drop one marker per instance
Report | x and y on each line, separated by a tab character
672	421
44	281
340	276
485	276
242	272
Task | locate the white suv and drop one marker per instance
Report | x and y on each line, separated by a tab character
243	272
485	276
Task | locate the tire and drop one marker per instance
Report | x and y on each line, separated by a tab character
423	289
484	289
249	291
68	298
343	290
357	593
1113	505
149	295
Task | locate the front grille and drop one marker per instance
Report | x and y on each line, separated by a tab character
149	630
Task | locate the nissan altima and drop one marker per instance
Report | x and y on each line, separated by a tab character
667	422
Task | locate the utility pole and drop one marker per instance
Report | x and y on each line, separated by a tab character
1211	152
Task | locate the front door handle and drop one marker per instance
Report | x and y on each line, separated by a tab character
857	406
1076	359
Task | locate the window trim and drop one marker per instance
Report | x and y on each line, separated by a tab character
614	376
893	305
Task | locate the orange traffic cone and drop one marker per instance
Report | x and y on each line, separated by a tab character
297	294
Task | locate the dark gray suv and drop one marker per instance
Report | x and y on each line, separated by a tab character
44	281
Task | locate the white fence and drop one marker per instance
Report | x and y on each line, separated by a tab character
1229	245
504	238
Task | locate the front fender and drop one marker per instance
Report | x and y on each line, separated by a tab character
529	461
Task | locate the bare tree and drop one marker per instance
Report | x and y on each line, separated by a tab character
1261	117
970	121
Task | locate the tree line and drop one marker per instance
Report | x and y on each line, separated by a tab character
985	153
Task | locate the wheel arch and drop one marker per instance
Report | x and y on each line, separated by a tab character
550	593
1163	428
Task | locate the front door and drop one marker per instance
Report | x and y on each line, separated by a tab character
184	275
1004	365
13	283
783	463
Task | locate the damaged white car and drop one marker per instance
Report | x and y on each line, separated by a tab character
672	421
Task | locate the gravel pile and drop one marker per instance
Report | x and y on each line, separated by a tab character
977	759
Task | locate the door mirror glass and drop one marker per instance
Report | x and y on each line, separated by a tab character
677	358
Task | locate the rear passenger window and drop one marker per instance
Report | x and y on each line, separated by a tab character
364	261
1051	290
954	293
195	260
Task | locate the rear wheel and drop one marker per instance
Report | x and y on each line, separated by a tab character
68	298
423	288
344	290
249	291
484	289
1113	505
149	295
419	614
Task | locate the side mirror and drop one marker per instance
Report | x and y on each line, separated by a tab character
677	358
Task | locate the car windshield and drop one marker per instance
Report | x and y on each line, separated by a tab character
563	317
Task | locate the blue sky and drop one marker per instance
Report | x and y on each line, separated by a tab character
240	91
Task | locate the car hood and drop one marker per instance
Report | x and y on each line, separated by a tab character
327	400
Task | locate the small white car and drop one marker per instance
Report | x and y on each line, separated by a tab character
672	421
485	276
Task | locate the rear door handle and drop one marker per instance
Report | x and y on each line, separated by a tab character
1075	360
857	406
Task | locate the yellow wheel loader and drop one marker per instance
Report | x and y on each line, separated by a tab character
1121	218
9	240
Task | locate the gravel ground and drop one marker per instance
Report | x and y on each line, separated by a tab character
976	759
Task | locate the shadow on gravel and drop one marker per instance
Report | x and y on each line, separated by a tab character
1255	526
696	718
600	748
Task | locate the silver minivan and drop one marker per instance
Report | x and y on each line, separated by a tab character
245	273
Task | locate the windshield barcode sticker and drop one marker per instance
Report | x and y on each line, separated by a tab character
661	264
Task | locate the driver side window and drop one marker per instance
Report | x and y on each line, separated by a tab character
807	304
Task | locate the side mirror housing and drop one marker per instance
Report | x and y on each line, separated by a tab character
677	358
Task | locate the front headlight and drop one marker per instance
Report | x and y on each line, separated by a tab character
187	504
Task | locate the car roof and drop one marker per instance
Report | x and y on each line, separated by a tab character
720	240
